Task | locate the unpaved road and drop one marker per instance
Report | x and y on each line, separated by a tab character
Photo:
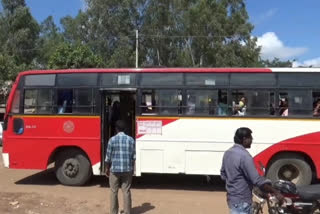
38	192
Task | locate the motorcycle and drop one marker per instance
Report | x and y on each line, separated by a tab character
297	200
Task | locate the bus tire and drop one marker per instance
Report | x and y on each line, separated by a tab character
73	168
290	167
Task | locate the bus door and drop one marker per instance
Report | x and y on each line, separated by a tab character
117	104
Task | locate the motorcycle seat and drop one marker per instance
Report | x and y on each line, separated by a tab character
310	192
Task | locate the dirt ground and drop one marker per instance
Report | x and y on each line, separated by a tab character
38	192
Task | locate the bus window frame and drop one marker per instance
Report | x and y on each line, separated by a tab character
305	89
156	113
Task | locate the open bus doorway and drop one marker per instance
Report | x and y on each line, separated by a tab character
116	105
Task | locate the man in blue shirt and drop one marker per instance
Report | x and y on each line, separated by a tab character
240	174
120	161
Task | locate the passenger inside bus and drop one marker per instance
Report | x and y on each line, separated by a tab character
222	106
191	105
241	107
283	107
65	100
316	110
148	104
114	116
62	109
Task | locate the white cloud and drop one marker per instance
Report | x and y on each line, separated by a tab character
272	46
265	16
307	63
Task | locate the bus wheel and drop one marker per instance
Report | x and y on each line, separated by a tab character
72	167
290	167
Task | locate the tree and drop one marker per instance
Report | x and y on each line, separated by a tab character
48	41
199	33
76	29
74	56
12	5
189	33
21	31
159	26
276	62
108	28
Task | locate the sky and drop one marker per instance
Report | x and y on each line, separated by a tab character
285	29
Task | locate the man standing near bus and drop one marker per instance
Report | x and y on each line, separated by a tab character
120	161
240	174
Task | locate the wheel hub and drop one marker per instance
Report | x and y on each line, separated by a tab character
289	172
71	167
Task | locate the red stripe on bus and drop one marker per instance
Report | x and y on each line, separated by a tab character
308	144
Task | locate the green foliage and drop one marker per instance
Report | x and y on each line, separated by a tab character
276	62
48	41
18	35
12	5
74	56
76	29
21	31
110	30
198	33
9	68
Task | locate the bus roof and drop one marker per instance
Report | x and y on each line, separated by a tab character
171	70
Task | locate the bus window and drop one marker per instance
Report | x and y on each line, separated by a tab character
77	79
297	102
207	79
83	100
169	101
38	101
261	103
253	79
255	103
151	79
201	102
16	102
116	79
163	102
40	80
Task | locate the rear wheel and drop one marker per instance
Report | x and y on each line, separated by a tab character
73	167
290	167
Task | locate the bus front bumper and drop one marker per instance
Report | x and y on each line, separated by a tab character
5	158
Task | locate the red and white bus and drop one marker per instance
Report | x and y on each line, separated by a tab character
183	119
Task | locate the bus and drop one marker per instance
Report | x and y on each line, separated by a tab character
183	119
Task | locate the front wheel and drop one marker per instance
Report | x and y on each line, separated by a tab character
73	167
290	167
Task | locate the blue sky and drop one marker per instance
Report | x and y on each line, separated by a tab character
285	29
